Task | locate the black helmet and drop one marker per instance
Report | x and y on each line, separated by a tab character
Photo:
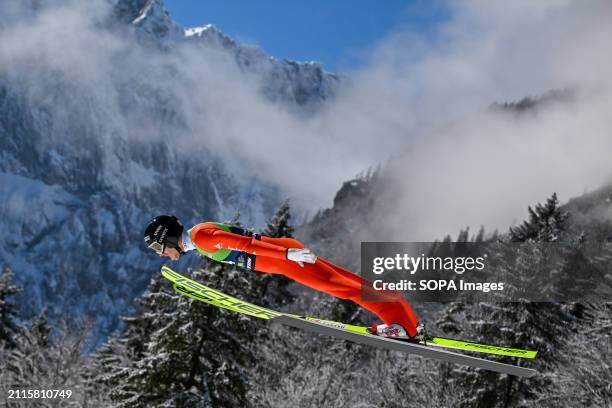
162	231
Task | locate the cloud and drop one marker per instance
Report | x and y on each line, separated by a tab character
464	165
85	76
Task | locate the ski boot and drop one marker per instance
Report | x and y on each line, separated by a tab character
394	331
397	332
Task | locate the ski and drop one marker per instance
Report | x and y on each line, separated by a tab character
360	334
407	347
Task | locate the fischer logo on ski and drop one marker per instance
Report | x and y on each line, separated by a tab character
239	305
203	293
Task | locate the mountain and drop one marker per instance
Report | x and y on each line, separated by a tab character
92	150
303	85
300	85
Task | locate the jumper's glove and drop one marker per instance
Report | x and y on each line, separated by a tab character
301	255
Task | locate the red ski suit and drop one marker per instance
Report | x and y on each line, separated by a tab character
324	276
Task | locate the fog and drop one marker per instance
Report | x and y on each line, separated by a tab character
467	165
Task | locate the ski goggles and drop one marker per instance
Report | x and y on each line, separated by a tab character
157	247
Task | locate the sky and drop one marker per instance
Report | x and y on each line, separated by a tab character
336	33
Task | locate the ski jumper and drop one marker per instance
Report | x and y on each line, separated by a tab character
228	244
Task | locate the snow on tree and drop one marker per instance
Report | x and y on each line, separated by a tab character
582	375
47	358
272	290
507	318
8	311
106	368
544	223
150	361
279	226
113	372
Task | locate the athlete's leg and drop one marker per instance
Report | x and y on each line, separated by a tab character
284	242
390	306
326	277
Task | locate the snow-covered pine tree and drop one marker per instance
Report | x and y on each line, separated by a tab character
509	320
8	311
50	359
584	371
106	368
272	290
113	368
279	226
132	368
581	374
9	329
154	309
40	329
544	223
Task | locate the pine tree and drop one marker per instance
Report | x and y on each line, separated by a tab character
481	235
507	319
272	290
581	375
544	223
105	370
40	329
154	309
278	226
135	369
583	378
8	311
112	372
51	359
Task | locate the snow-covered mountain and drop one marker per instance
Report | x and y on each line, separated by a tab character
89	154
302	84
